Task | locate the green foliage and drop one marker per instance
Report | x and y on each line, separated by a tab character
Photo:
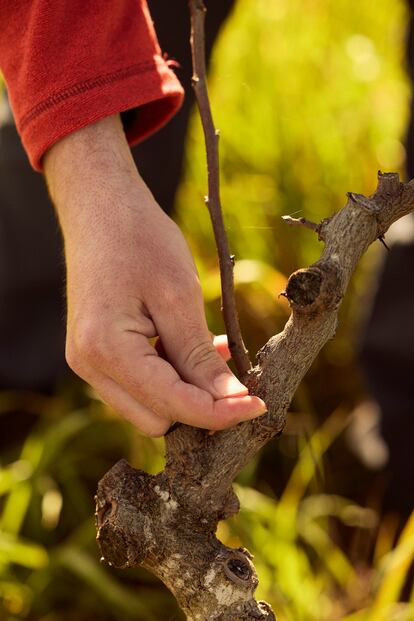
49	565
311	99
298	560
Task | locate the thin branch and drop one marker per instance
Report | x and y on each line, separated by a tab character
211	135
307	224
167	522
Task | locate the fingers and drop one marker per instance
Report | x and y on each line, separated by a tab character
147	422
220	344
155	383
146	389
222	347
86	364
182	327
144	386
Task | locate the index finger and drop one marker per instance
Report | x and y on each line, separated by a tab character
153	382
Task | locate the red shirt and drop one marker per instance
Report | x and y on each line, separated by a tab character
68	63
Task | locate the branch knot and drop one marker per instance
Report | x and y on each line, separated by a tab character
239	569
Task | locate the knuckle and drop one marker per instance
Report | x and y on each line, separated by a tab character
158	429
187	288
192	287
151	400
72	357
154	400
87	343
202	354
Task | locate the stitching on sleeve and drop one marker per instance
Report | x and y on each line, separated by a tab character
82	87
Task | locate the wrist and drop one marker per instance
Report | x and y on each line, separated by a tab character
93	180
100	147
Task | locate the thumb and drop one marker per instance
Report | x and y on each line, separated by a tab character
220	343
188	346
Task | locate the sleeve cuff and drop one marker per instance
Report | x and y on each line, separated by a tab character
149	90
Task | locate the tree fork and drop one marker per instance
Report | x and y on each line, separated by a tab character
167	522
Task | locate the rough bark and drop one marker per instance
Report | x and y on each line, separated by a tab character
167	522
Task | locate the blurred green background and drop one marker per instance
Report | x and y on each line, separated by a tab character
311	99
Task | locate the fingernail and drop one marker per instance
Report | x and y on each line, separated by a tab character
261	408
229	386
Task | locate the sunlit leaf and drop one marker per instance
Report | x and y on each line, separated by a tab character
21	552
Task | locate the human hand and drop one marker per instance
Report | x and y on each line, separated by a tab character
130	277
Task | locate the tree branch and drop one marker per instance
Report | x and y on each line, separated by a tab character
303	222
167	522
211	135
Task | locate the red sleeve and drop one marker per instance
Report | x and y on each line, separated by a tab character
72	62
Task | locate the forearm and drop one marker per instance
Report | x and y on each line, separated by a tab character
100	200
93	161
